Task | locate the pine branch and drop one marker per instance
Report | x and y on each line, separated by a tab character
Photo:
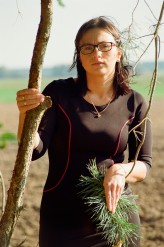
115	227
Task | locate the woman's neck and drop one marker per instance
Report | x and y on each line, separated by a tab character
100	85
100	89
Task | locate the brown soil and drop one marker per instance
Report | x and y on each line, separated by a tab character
150	191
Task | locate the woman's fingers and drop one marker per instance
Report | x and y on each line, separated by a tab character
118	194
113	189
112	197
26	91
28	99
26	95
24	108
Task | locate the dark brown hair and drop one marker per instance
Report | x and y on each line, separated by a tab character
121	78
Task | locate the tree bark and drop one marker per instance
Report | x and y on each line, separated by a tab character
14	202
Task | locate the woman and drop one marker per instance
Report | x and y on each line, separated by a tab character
90	118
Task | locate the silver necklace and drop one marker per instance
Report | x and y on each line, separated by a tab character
98	113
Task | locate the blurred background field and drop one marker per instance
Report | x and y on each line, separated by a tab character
141	83
150	191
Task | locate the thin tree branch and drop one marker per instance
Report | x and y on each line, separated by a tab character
152	87
150	10
130	26
136	63
3	192
19	12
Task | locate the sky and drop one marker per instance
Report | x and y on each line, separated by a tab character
19	20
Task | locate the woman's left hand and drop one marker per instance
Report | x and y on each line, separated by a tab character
114	182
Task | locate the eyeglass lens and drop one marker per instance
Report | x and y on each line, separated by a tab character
89	48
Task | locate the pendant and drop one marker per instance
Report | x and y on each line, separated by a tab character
98	115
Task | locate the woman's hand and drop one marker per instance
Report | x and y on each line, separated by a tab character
28	99
114	182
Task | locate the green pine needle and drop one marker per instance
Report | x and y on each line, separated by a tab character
115	226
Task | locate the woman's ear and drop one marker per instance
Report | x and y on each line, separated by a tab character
119	54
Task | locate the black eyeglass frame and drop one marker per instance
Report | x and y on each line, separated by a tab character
96	46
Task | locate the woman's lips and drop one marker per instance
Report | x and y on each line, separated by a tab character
97	63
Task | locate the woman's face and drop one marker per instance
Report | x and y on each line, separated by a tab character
99	63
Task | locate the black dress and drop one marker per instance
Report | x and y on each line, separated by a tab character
73	135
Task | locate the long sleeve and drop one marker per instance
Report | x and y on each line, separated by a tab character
46	127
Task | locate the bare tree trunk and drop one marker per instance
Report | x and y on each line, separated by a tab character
14	202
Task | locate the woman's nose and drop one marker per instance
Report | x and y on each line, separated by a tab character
97	52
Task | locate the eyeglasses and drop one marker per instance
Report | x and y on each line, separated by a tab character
103	46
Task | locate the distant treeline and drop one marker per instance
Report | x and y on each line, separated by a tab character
56	71
62	71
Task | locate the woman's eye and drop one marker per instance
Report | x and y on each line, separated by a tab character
88	47
105	45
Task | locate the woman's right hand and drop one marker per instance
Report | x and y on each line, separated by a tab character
28	99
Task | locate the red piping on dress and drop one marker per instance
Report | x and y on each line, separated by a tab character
68	158
119	138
